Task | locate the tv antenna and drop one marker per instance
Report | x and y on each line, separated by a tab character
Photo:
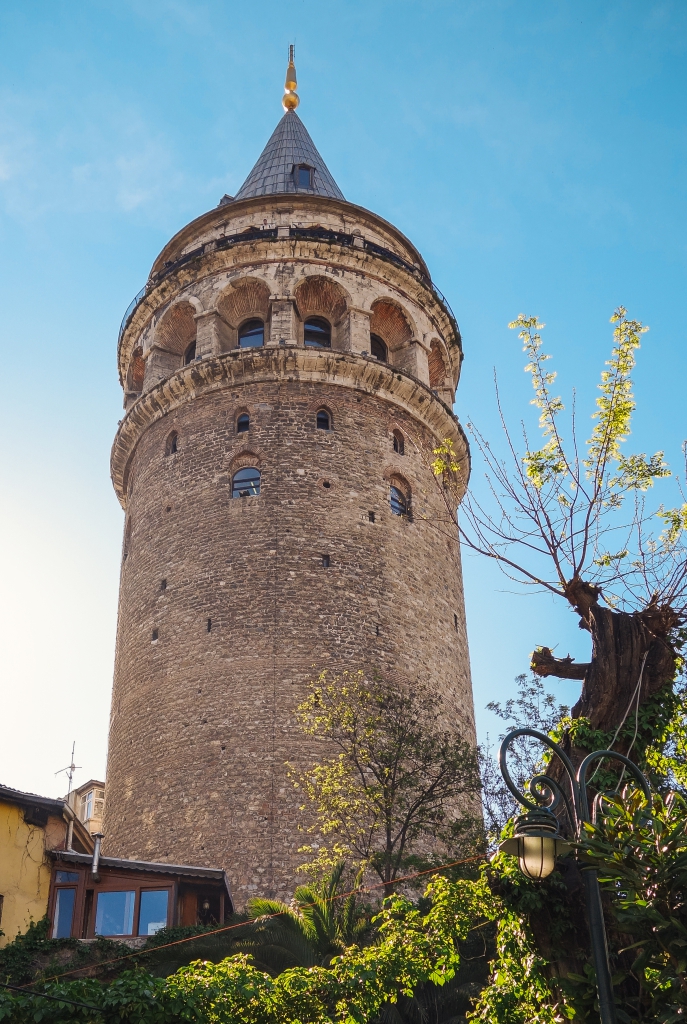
69	770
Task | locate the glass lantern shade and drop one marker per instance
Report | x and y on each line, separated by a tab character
536	843
537	856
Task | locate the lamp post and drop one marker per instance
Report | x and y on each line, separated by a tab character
537	840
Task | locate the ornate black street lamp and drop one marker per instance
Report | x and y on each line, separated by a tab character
537	840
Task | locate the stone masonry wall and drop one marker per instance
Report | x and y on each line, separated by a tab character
203	716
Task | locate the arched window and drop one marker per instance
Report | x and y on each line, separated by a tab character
137	370
246	483
378	348
398	501
172	443
323	420
243	423
399	443
317	332
252	334
190	353
437	367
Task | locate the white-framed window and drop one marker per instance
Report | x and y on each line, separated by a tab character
87	805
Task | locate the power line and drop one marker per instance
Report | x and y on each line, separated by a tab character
43	995
263	917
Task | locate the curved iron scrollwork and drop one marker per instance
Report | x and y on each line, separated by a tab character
545	791
537	838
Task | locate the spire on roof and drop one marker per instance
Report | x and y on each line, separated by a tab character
291	100
290	162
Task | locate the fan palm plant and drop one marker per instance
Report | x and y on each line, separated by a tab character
319	923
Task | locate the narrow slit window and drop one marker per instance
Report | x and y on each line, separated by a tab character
317	332
172	443
378	348
209	625
455	620
246	483
323	420
371	516
399	443
127	536
398	501
252	334
156	634
243	423
326	562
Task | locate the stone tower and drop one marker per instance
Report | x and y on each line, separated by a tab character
285	368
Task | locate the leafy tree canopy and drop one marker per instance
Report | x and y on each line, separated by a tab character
400	786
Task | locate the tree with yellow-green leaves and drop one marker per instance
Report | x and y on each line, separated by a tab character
398	789
572	518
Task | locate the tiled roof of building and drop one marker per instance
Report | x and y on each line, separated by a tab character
154	867
17	796
160	867
289	145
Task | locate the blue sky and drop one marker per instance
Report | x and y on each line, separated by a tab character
534	151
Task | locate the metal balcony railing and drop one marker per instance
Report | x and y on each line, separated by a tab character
300	234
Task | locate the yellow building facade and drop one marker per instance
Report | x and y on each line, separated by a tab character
30	827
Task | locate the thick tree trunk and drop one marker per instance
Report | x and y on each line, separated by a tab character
629	662
632	657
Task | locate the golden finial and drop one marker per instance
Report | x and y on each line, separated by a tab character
291	98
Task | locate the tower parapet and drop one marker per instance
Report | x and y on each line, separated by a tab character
285	371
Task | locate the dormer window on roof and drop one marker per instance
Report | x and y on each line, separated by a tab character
303	176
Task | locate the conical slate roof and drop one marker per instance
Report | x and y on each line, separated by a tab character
289	145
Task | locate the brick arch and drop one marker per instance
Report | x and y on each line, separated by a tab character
319	403
391	324
319	295
177	328
397	480
242	299
391	475
246	457
136	373
437	365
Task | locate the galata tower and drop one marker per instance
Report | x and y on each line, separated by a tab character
286	369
